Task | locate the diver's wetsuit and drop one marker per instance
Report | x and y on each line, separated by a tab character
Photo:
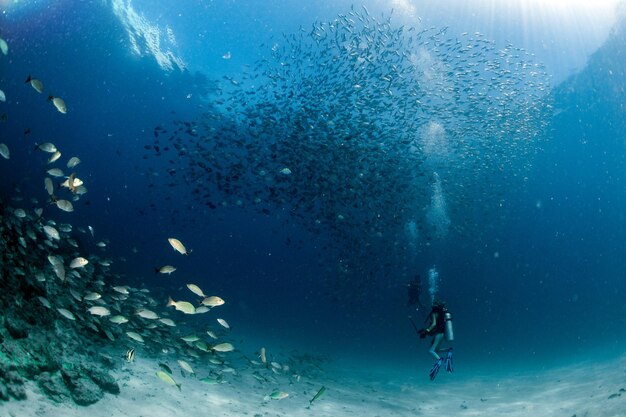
437	330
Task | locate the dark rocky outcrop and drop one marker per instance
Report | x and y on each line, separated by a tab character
103	379
17	328
87	384
11	383
53	386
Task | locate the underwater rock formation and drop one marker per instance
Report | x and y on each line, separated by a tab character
35	346
11	383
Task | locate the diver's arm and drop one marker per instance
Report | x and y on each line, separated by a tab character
433	322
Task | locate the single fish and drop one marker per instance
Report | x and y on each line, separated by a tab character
45	302
167	269
223	347
186	366
212	380
75	294
4	151
48	185
279	395
191	338
216	361
196	290
59	271
55	156
65	205
51	232
178	246
212	301
92	296
147	314
57	265
130	355
78	262
73	162
55	172
202	345
167	322
66	313
72	183
319	394
165	368
58	103
184	306
81	190
135	336
99	311
121	289
118	319
165	377
224	323
46	147
263	356
36	84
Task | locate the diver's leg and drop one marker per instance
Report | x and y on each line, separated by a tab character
435	345
444	346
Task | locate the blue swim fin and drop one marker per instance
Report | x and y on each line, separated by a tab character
435	369
449	362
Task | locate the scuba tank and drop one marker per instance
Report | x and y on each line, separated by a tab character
447	317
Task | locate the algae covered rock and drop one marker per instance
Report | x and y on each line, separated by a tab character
31	356
17	391
86	392
103	379
87	383
83	390
17	328
11	383
53	386
4	392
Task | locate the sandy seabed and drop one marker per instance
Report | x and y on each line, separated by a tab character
581	390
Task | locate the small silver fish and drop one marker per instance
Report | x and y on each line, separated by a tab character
167	269
58	103
67	314
36	84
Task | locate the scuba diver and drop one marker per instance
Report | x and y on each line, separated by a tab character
439	325
414	290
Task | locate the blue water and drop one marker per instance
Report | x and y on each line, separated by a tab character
534	276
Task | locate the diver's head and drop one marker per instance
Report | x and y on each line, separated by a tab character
439	304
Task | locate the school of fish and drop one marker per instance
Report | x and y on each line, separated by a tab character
68	270
354	128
